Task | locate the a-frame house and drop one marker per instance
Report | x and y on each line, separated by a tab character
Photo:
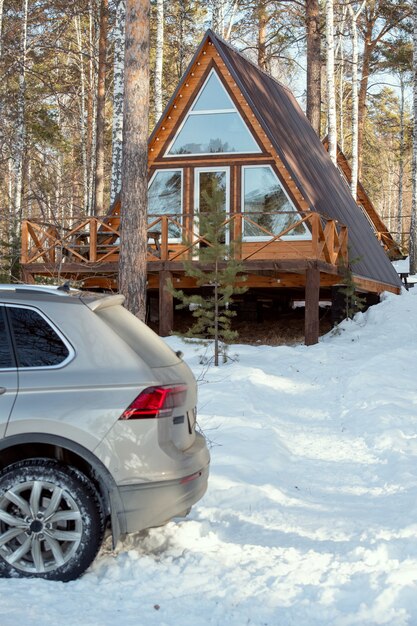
232	132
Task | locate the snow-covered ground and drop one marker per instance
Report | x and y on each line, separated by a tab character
311	513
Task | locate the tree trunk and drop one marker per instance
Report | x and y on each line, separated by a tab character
313	110
217	16
413	225
181	44
216	320
83	129
1	26
331	99
366	60
401	165
341	95
355	101
132	263
21	124
91	105
101	103
228	30
159	57
118	72
339	55
262	24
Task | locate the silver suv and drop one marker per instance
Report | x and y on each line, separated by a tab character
97	429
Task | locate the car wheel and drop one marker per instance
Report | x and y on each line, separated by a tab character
51	521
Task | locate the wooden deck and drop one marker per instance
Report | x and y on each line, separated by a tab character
87	251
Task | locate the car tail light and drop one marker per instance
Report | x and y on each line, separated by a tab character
155	402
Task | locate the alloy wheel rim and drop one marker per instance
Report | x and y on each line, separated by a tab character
40	526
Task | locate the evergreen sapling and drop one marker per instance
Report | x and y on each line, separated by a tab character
219	273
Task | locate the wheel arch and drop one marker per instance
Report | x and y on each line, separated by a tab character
42	445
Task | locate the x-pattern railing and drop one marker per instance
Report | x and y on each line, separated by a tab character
95	240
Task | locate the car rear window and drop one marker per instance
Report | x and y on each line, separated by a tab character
36	342
6	359
151	349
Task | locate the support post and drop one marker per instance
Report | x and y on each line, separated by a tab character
166	304
28	277
312	295
338	306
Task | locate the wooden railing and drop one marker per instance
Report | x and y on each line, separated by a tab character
94	240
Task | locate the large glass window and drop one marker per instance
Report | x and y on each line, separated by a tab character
165	198
36	342
213	125
212	201
267	205
5	352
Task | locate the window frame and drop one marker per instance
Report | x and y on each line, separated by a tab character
181	216
196	216
189	113
71	351
251	238
9	340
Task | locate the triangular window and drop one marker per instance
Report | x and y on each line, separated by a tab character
213	96
213	125
266	207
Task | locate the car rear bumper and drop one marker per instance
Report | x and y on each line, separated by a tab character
154	504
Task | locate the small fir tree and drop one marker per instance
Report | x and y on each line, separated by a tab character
353	302
220	274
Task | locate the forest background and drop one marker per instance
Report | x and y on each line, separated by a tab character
61	94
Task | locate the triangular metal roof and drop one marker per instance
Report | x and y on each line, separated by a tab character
301	151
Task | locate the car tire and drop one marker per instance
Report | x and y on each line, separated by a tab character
51	521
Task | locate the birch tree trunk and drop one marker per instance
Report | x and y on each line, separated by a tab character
341	97
118	72
100	119
413	225
331	98
313	110
355	100
228	30
340	62
133	249
217	16
159	57
262	24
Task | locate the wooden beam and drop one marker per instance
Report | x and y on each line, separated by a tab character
166	305
55	269
289	265
312	296
374	286
221	161
24	242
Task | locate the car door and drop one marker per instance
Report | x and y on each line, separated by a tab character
8	374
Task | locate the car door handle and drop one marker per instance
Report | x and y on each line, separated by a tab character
2	390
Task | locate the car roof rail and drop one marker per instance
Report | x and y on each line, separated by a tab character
61	290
